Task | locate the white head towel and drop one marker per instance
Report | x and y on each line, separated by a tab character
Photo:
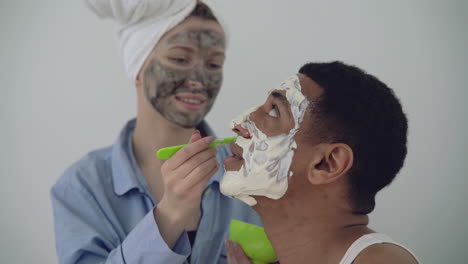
140	25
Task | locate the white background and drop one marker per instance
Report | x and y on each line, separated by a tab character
64	93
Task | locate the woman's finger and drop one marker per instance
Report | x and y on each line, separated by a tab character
194	162
236	255
195	136
186	153
231	259
201	174
201	185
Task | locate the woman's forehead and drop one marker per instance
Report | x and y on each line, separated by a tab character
197	31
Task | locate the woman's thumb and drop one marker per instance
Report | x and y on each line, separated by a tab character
195	136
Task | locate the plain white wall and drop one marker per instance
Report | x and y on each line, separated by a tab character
64	93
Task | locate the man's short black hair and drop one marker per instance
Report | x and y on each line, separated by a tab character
359	110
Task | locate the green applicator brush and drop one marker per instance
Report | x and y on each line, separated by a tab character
166	153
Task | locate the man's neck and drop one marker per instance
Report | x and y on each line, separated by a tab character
306	232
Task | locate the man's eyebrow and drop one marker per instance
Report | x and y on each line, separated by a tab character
280	96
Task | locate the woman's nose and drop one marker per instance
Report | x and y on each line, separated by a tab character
194	84
196	78
239	130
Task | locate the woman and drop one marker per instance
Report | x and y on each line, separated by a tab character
122	205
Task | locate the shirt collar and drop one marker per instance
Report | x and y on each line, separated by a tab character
125	177
125	172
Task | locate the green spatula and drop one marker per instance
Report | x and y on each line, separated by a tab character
253	241
166	153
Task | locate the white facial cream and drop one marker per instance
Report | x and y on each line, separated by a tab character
266	159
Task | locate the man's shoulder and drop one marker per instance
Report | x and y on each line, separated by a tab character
91	169
385	253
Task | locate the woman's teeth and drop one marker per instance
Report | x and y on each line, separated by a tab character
190	101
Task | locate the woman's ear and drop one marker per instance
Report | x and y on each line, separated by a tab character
140	75
139	79
329	162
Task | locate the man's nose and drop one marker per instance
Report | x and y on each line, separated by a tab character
239	130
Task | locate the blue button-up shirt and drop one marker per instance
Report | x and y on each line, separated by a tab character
103	213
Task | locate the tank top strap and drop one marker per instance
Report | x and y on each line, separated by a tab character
368	240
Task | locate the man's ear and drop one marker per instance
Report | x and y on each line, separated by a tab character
329	163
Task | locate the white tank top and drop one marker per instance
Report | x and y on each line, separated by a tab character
368	240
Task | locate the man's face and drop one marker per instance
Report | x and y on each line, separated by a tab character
264	150
183	75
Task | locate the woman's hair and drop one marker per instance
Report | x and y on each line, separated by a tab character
203	11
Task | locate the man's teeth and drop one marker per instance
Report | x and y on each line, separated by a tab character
190	101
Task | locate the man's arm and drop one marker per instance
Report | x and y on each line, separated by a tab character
385	253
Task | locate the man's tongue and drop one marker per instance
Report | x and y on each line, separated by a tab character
234	157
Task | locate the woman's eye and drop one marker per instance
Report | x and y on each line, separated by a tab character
178	59
273	112
214	66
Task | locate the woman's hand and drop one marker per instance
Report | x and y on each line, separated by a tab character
235	254
185	176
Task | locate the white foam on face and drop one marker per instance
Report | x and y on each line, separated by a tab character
266	159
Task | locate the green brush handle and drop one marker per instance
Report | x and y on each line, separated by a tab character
166	153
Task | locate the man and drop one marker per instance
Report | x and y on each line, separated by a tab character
122	205
320	148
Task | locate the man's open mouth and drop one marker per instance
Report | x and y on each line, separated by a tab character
236	155
236	150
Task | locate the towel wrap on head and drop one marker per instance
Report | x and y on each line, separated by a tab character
140	25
